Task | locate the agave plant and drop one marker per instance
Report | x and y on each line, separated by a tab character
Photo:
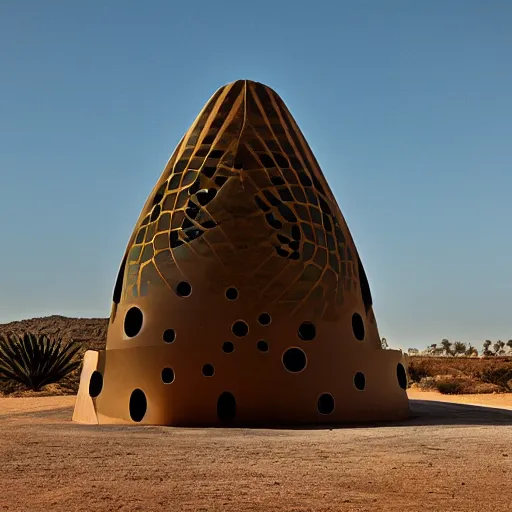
36	360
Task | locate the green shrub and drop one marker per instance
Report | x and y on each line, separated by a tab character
36	360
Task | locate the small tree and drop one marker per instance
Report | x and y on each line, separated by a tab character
459	347
447	346
486	351
471	351
431	349
509	343
499	348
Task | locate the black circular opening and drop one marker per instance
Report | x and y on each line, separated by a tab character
325	403
95	384
359	381
401	375
262	346
167	375
183	289
232	293
228	347
294	360
358	326
264	319
240	328
208	370
307	331
133	322
138	405
226	407
169	336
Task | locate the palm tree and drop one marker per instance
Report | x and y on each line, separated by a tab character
470	351
459	347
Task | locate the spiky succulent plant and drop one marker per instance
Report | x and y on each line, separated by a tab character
36	360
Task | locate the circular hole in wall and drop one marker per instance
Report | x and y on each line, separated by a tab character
169	335
133	322
167	375
294	360
95	384
359	381
226	407
183	289
307	331
138	405
262	346
401	375
232	293
208	370
240	328
264	319
325	403
228	347
358	326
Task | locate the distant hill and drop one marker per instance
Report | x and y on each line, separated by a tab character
92	332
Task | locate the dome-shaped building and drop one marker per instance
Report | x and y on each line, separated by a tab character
241	298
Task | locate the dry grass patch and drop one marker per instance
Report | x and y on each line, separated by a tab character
461	375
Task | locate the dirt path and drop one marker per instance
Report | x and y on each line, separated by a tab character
448	457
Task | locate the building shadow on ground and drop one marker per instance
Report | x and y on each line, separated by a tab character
431	412
423	413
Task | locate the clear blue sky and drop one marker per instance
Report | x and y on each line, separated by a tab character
406	104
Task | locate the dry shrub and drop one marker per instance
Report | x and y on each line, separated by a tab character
427	384
8	387
500	376
450	385
461	375
67	386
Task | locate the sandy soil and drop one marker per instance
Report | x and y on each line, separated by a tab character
501	400
450	457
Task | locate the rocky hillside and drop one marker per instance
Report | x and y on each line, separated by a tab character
92	332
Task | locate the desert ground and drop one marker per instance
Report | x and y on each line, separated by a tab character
448	456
